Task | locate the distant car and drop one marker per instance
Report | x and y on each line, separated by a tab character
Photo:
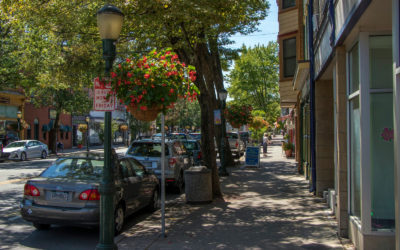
196	136
179	136
194	147
177	159
156	136
67	193
25	149
236	144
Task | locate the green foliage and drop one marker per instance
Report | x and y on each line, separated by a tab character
288	146
238	115
100	129
184	114
254	80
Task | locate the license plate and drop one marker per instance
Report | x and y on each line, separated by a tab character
60	196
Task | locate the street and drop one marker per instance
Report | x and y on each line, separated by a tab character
16	233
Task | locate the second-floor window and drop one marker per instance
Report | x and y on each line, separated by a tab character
288	3
289	57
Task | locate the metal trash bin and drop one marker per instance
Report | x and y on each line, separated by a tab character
198	186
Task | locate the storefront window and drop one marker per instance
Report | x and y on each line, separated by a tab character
355	153
382	151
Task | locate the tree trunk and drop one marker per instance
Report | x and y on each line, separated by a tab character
53	135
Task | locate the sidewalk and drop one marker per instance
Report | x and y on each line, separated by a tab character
263	208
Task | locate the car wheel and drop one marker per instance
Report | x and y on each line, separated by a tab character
40	226
155	201
119	217
23	156
44	154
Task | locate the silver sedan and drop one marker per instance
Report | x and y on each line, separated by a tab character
25	149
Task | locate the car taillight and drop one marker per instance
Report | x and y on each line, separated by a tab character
199	156
90	195
172	161
31	190
237	144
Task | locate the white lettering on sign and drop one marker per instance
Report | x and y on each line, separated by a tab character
104	98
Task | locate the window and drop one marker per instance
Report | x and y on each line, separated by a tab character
28	132
139	170
36	129
288	3
355	135
289	57
381	133
61	135
44	135
66	135
126	169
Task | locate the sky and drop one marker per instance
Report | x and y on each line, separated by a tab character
269	28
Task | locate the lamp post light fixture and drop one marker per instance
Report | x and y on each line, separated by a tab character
87	119
109	22
223	94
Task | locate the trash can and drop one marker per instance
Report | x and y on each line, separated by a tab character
198	186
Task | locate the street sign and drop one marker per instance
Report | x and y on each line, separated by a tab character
101	91
252	156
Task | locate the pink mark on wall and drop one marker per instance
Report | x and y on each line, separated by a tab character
387	134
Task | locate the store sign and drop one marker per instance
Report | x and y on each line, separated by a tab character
252	156
217	117
104	99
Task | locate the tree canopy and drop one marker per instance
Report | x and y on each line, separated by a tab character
254	79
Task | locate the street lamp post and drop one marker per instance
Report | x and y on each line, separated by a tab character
87	119
109	22
19	116
222	96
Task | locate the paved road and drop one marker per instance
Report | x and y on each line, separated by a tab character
15	233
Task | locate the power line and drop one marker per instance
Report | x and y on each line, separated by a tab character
257	35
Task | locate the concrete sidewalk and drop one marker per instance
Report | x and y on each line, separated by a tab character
263	208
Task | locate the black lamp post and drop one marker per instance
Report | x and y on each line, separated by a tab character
87	119
19	116
109	22
223	94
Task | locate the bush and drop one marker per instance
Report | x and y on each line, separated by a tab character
288	146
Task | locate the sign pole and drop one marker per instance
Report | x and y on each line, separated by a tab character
162	176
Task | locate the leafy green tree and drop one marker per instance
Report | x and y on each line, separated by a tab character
65	48
254	79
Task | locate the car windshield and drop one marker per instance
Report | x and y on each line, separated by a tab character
190	145
146	149
16	144
82	168
177	136
196	136
232	136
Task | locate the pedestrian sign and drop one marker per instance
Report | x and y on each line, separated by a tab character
252	156
104	99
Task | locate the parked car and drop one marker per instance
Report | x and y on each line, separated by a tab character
245	137
25	149
67	193
196	136
177	159
179	136
1	151
236	144
193	146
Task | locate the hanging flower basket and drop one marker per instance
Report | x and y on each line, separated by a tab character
148	114
82	128
152	83
238	115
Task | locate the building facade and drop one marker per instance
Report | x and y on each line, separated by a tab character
348	108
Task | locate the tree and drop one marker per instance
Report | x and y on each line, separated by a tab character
254	79
184	114
196	30
57	55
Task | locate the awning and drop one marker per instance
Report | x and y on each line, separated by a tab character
45	128
302	71
67	128
62	128
51	124
287	94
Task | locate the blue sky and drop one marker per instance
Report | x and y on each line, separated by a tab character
269	28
